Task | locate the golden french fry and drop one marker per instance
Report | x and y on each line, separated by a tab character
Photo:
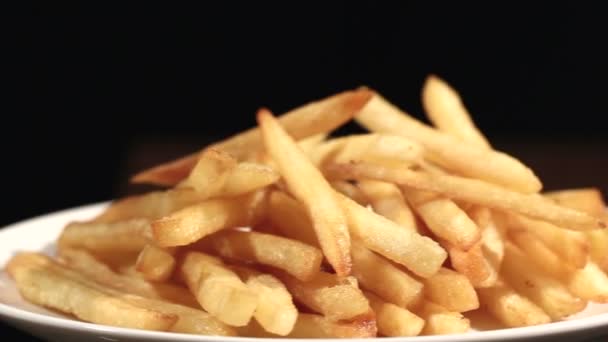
511	308
387	200
418	253
451	290
441	321
473	264
334	297
290	218
445	110
218	289
197	221
89	266
313	118
393	320
444	218
541	255
588	200
383	278
589	283
529	280
275	312
118	237
598	240
309	186
451	153
476	192
247	177
210	173
310	143
350	190
40	282
492	236
155	263
294	257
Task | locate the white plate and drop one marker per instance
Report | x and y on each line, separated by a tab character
39	234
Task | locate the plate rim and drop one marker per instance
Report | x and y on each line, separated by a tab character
12	314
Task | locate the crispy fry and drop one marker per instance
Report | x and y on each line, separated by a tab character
451	290
541	255
393	320
317	326
477	192
350	190
308	186
381	116
387	200
155	263
210	173
290	218
440	321
588	200
197	221
589	283
118	237
247	177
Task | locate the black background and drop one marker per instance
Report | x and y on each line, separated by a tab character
103	90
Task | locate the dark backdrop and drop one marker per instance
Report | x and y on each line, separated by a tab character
104	90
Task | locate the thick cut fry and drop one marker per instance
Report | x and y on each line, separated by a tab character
309	187
336	298
570	246
317	326
473	264
86	264
393	320
275	312
589	283
294	257
197	221
247	177
441	321
155	263
118	237
387	200
548	293
290	218
151	205
446	111
350	190
477	192
541	255
451	153
444	218
383	278
492	237
588	200
316	117
41	283
218	289
598	240
210	173
511	308
451	290
418	253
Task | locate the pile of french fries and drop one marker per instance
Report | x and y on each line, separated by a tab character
282	231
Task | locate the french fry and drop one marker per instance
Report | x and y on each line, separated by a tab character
393	320
511	308
119	237
476	192
294	257
440	321
218	289
210	173
541	255
418	253
155	263
307	184
445	110
588	200
451	290
350	190
451	153
290	218
89	266
473	264
387	200
334	297
384	279
529	280
301	122
589	283
492	236
247	177
41	283
197	221
275	312
444	218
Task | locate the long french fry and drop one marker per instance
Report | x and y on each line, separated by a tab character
118	237
387	200
155	263
393	320
441	321
451	290
310	187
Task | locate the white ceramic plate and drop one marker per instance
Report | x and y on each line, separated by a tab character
39	234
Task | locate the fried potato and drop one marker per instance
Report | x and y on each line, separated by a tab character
218	289
302	122
511	308
589	283
334	297
42	284
294	257
387	200
119	237
451	153
247	177
309	186
440	321
541	255
451	290
383	278
275	312
476	192
317	326
350	190
155	263
445	110
290	218
529	280
210	173
393	320
197	221
588	200
473	264
418	253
